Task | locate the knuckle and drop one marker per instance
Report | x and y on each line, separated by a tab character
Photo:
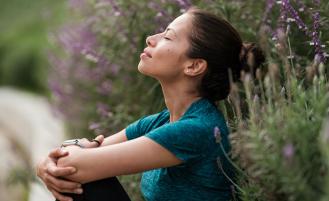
54	151
85	140
56	183
43	170
55	173
46	177
63	185
55	188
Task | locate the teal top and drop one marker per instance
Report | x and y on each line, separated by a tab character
192	140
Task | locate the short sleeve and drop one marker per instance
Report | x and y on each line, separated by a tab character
185	139
144	125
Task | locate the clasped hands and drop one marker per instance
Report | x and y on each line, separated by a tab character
53	175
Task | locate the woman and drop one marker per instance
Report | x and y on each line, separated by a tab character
176	148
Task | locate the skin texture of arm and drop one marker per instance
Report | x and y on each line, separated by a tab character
115	138
130	157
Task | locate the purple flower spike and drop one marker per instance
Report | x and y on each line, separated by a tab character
268	9
103	109
287	9
184	4
217	134
315	34
288	151
94	126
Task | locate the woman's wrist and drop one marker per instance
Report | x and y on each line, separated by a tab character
84	143
75	142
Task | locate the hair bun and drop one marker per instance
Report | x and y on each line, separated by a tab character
251	57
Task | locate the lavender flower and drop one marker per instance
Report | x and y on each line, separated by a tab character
96	56
184	4
116	9
105	88
217	135
103	109
294	15
288	15
301	5
302	26
93	126
288	151
268	9
319	54
77	4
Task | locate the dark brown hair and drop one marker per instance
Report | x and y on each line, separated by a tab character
215	40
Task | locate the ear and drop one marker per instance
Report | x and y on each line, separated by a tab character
195	67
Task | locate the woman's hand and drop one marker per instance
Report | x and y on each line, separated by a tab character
51	175
93	143
76	159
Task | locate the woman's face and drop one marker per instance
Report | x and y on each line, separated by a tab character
165	58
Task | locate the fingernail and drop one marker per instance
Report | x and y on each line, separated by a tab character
79	185
78	190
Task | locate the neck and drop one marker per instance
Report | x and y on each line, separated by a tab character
178	99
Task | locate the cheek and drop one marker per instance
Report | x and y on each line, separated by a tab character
166	53
167	58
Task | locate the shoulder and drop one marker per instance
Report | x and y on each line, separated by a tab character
206	118
146	124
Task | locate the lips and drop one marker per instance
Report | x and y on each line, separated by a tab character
147	53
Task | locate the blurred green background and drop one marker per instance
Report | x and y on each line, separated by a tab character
24	29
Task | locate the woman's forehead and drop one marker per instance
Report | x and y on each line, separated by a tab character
181	23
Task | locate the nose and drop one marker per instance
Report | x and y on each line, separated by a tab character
151	40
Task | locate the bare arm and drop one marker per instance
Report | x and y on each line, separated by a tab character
130	157
115	138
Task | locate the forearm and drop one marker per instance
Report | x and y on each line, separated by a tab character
92	164
129	157
115	139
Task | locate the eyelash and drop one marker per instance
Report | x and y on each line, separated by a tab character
164	36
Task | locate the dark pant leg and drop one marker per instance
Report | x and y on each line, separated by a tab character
108	189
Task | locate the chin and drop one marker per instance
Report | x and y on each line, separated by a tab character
146	70
142	69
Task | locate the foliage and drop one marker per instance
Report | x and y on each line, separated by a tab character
23	41
275	116
278	145
96	76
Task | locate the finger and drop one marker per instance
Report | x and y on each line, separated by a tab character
97	141
57	153
100	138
60	190
60	197
53	170
62	185
85	142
